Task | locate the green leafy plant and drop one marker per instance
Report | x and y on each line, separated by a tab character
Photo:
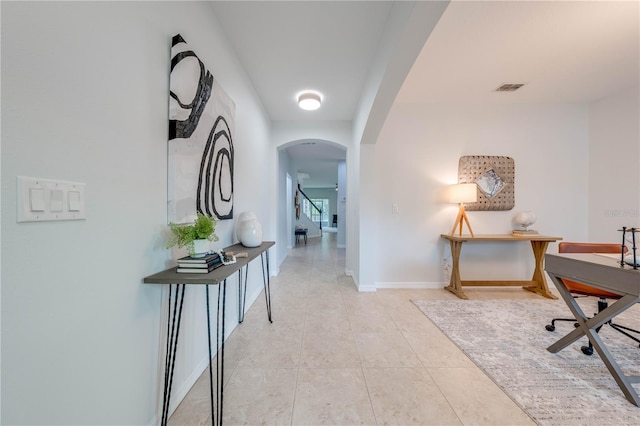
184	235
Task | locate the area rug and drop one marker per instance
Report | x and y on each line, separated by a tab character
507	339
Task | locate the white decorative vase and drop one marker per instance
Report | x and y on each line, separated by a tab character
242	217
200	248
250	233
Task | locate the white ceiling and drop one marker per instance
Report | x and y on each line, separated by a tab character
290	46
565	51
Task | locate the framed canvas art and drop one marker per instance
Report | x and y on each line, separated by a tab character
201	126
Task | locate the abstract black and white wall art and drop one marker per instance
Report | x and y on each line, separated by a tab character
201	125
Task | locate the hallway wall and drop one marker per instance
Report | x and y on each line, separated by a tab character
85	99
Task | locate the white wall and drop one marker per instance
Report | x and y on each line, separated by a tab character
342	204
614	171
417	156
85	98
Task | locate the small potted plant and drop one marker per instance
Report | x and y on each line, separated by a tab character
195	237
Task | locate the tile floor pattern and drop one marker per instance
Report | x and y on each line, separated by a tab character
334	356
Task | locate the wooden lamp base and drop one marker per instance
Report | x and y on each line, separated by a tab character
462	217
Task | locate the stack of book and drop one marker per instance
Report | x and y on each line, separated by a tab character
199	265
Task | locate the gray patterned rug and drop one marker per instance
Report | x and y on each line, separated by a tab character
507	340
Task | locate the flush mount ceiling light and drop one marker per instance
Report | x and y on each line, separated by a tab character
309	100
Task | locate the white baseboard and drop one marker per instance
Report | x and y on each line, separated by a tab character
341	246
367	288
412	285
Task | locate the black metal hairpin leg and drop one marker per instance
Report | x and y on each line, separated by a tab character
266	281
173	329
242	293
216	404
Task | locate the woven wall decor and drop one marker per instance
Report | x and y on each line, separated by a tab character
495	177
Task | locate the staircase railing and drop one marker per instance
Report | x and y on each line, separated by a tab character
312	205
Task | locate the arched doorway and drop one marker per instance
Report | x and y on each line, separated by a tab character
320	166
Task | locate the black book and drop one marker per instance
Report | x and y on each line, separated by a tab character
189	270
199	265
205	259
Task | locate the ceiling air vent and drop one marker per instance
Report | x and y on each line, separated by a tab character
509	87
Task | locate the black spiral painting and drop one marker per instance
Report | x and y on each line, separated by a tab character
201	117
215	184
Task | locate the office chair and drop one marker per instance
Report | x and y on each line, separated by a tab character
584	290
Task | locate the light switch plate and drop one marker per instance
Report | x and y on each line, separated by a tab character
48	200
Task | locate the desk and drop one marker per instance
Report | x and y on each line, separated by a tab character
216	277
607	274
537	284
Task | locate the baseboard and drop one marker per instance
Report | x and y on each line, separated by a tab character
367	288
411	285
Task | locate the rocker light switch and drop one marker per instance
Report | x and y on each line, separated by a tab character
74	201
55	202
36	199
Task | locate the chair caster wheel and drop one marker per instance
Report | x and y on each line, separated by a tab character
550	327
587	350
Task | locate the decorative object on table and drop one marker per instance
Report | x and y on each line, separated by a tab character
200	155
296	203
495	178
201	265
237	255
195	237
524	220
227	257
460	194
246	215
249	230
631	258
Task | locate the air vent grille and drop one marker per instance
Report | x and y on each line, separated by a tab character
509	87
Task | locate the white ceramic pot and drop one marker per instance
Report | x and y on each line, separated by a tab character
250	233
244	216
200	248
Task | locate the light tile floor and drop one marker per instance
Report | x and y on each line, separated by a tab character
334	356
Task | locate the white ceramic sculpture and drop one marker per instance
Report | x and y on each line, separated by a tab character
241	218
249	231
525	219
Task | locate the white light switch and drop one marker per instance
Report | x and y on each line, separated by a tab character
74	201
36	199
45	200
55	202
394	208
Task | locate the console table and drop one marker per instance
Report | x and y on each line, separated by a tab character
537	284
604	273
216	277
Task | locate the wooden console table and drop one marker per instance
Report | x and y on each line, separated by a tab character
216	277
537	284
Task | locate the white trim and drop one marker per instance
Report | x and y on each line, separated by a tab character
369	288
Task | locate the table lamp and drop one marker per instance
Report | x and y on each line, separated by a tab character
462	193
